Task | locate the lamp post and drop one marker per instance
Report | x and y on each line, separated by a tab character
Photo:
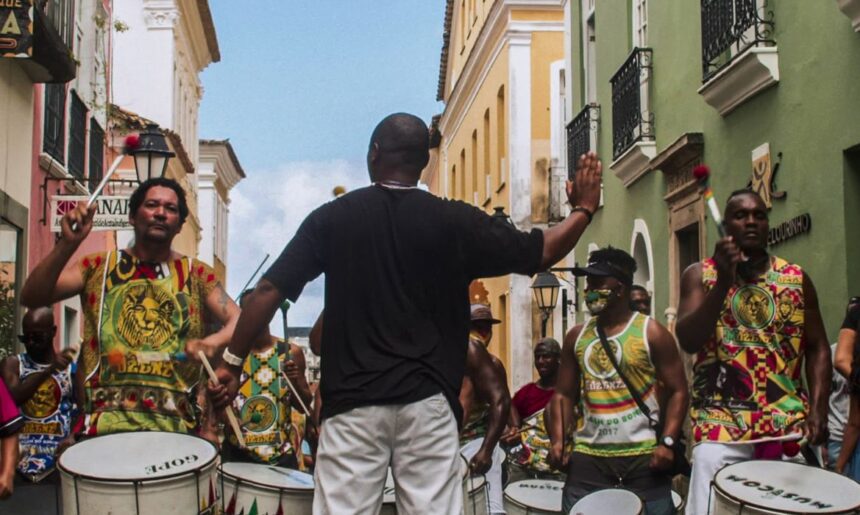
151	154
545	288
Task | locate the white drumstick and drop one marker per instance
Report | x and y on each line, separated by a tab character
231	417
131	142
296	393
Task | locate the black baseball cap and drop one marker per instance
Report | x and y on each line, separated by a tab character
603	268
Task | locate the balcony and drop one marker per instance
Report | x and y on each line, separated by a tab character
633	144
581	135
739	55
47	54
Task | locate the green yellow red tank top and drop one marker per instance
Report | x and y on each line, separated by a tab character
613	425
747	384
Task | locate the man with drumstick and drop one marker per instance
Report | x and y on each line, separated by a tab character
610	366
486	403
398	262
751	320
144	314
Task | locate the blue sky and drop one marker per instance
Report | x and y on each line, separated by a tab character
299	88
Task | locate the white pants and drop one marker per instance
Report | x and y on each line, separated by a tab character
495	488
708	459
418	441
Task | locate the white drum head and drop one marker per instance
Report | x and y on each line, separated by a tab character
614	501
269	476
539	494
677	500
787	487
137	456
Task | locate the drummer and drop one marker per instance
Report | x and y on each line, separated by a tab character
618	445
486	402
264	403
144	309
43	382
534	397
751	320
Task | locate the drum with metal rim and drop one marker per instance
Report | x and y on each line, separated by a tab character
781	487
614	501
257	488
678	502
139	473
533	496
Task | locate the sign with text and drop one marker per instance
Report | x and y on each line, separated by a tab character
111	212
16	28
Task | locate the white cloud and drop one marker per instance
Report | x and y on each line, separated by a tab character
266	210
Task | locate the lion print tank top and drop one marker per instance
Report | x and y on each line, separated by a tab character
137	318
747	384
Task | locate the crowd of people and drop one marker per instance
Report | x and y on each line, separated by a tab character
408	382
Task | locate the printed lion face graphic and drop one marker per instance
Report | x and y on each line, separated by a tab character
753	307
45	400
146	317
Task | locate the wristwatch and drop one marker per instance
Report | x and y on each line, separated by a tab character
668	441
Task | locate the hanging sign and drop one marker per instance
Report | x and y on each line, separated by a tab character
111	211
16	28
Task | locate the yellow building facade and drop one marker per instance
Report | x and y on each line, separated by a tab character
494	143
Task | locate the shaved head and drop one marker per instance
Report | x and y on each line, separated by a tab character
39	317
400	141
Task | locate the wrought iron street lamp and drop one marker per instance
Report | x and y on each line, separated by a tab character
151	154
545	288
499	214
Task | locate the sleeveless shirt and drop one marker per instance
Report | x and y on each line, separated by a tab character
263	404
613	425
47	418
747	384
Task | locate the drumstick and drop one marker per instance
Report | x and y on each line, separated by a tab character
296	393
132	141
231	417
702	174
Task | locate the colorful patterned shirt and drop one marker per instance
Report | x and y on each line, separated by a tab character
613	425
263	404
137	319
747	384
47	419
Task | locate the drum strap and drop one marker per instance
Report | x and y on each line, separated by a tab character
633	392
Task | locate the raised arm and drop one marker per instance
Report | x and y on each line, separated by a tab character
698	311
583	192
819	372
295	370
51	280
564	400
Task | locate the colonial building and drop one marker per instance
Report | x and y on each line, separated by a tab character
50	49
160	48
498	143
218	172
752	89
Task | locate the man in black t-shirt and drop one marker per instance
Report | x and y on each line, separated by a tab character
398	262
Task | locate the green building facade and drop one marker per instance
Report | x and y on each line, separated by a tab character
766	93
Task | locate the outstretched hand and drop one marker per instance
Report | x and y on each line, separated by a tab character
584	190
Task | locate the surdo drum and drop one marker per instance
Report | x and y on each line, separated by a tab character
271	489
144	473
533	496
780	487
614	501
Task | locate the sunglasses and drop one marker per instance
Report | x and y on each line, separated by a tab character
42	336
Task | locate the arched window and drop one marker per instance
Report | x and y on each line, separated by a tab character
640	249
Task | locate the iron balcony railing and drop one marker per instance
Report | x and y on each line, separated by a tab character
60	13
579	132
729	27
631	119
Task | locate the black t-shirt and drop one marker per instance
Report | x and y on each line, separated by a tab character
398	263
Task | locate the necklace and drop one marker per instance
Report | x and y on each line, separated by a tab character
397	185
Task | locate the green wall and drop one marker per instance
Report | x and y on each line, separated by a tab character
810	117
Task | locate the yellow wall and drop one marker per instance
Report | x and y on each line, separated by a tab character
471	149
